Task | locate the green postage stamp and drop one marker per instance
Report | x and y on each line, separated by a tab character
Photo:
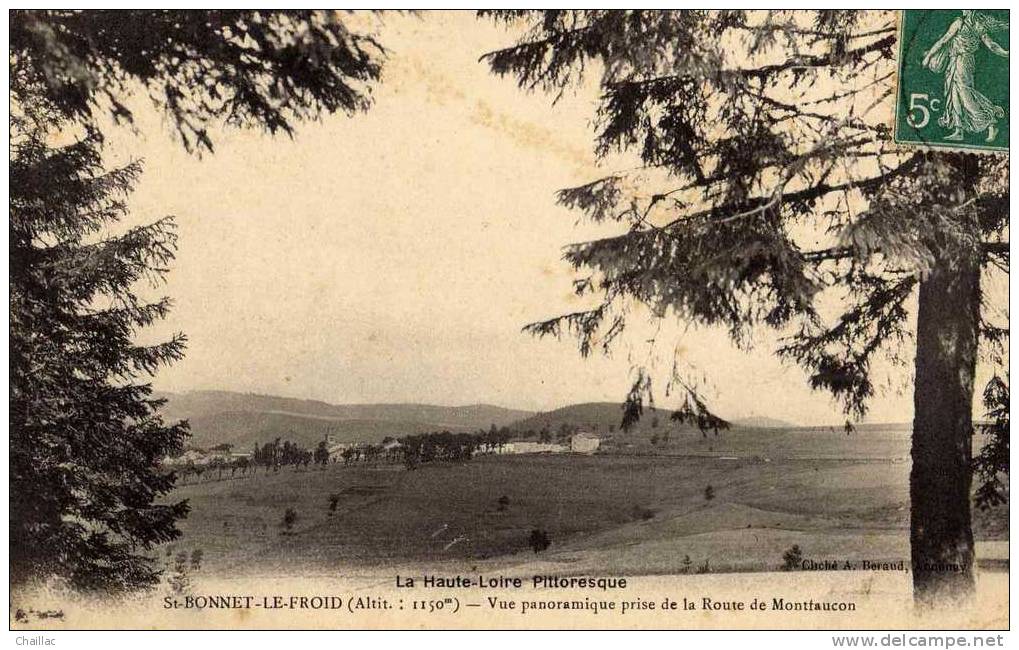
953	79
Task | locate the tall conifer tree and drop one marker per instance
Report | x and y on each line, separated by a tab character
768	186
86	436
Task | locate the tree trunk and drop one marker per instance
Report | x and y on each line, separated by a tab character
941	537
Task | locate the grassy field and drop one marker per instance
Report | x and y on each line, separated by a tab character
610	513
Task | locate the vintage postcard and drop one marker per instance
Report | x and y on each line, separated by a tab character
509	319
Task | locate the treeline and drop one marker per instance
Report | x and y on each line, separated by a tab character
216	468
276	454
411	450
447	446
564	432
271	456
371	453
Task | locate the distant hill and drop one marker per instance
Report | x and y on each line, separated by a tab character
599	417
758	422
242	419
657	433
243	429
606	416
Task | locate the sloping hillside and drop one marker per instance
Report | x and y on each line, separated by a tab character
243	429
600	417
761	422
242	419
604	417
657	433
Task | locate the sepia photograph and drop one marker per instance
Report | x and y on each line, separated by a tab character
509	319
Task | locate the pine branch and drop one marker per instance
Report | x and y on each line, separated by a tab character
816	61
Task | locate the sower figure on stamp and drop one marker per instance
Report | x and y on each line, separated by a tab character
966	108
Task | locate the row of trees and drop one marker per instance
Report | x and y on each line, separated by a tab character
411	450
271	456
218	466
371	453
446	446
276	454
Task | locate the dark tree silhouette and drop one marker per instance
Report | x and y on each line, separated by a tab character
768	181
321	454
442	446
792	558
992	462
289	519
86	437
259	68
539	540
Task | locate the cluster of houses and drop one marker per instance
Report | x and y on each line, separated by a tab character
582	442
336	449
199	457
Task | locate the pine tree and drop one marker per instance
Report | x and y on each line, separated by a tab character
769	184
266	69
992	462
86	437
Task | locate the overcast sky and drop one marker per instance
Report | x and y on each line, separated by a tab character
394	256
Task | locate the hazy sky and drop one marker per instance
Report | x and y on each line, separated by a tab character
395	255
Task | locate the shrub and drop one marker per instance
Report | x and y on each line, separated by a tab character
289	519
539	540
178	579
640	512
792	558
686	565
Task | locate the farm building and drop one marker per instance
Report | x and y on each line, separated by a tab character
192	456
528	447
584	443
336	449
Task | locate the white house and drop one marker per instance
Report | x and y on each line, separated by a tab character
584	443
529	447
196	456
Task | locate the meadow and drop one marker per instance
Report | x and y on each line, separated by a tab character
614	513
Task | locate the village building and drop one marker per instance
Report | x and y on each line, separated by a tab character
336	449
529	447
191	457
584	442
